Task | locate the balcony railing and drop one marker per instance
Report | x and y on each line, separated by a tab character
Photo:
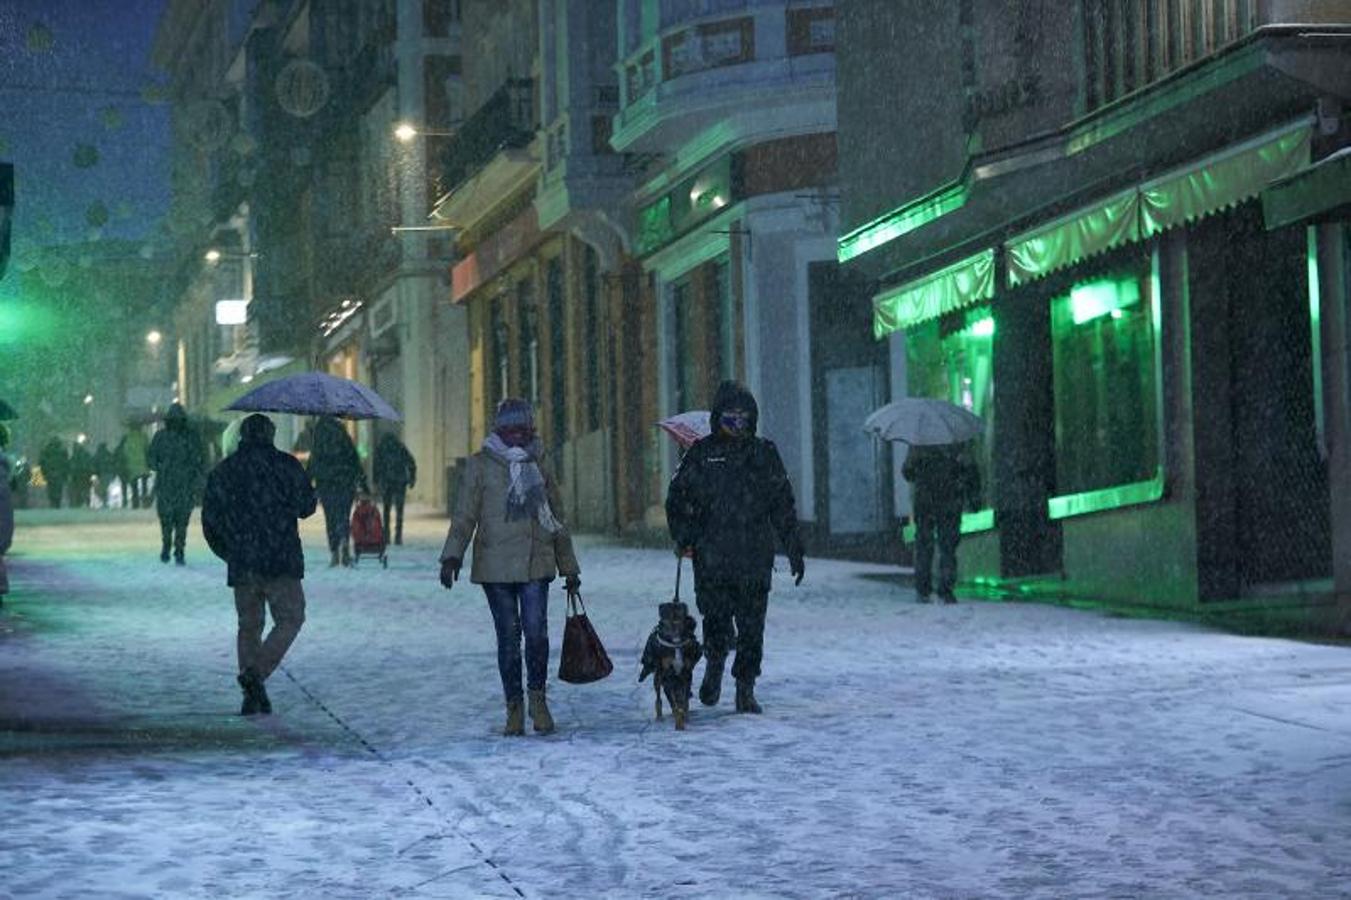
505	121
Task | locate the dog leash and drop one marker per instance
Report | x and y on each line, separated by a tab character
680	565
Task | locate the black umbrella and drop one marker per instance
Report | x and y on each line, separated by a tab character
7	412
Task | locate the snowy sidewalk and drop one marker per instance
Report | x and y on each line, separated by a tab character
977	750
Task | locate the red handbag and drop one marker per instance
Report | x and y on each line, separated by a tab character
584	659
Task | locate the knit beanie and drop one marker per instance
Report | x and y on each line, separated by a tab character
514	412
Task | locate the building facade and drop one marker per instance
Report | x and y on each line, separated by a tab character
1103	239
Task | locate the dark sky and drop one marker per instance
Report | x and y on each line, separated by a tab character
72	75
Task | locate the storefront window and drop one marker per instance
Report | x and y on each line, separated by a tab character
952	358
1106	403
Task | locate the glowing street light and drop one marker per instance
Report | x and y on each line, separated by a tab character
406	131
153	337
88	399
212	255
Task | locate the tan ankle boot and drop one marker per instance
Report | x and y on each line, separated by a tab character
539	713
515	719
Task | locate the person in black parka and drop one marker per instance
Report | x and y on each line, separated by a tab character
55	463
178	460
394	471
730	498
253	500
79	474
336	471
945	480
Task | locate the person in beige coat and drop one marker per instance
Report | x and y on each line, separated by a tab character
509	506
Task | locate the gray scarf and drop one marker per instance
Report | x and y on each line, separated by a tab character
526	494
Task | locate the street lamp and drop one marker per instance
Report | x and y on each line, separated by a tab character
88	399
153	337
212	256
406	131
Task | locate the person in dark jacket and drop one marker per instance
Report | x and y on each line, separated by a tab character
105	469
178	460
55	463
253	500
945	480
394	471
336	472
730	498
79	473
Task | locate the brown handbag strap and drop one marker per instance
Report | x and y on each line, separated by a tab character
575	604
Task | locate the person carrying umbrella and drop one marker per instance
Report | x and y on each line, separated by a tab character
727	503
945	480
336	471
179	461
394	471
253	500
55	463
509	506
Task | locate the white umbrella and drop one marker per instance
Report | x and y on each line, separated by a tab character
317	394
687	427
924	422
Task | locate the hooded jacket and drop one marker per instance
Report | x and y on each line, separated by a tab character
393	467
249	512
178	459
731	498
334	464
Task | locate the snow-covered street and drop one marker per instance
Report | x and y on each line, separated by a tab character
983	749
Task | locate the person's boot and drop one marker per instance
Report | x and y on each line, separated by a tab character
333	562
539	713
346	554
164	553
710	689
255	695
178	558
745	696
515	719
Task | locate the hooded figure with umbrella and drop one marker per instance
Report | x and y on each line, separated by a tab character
728	502
939	465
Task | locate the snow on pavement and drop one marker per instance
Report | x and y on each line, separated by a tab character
977	750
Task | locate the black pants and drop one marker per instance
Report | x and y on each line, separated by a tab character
173	527
337	516
743	603
54	494
394	497
943	527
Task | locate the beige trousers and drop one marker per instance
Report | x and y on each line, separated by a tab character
286	599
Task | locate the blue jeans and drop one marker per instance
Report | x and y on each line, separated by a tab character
515	605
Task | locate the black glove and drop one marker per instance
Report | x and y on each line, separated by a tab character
450	572
572	583
798	566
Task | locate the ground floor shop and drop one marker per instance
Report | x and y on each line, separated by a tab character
1153	369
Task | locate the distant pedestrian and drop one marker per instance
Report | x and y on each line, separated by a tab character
80	476
179	461
252	502
55	464
394	471
727	503
131	466
945	480
510	507
336	472
105	470
6	511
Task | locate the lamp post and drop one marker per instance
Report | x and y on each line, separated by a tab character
406	132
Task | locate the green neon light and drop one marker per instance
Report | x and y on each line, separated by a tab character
972	522
1109	296
1316	331
1106	498
25	322
902	221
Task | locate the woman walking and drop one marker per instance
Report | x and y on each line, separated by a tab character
509	506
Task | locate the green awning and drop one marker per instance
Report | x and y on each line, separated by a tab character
1222	181
961	284
1322	190
1075	237
1200	189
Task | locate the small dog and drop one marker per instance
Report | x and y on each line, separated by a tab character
671	654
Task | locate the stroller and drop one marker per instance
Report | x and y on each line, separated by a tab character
368	532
